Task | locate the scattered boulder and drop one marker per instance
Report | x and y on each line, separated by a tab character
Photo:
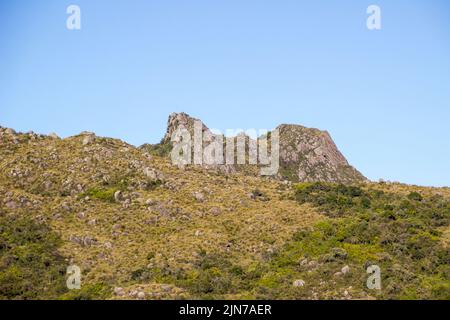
10	131
304	262
200	197
57	216
86	241
126	204
53	135
88	138
298	283
81	215
215	211
118	291
141	295
166	288
117	227
152	174
108	245
12	205
133	293
162	210
345	270
118	197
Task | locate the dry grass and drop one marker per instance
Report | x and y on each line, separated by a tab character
50	180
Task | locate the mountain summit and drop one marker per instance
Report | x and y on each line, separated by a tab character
306	154
309	155
177	120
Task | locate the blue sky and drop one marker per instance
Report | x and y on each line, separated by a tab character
383	95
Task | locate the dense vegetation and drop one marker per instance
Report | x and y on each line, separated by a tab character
363	227
400	233
30	266
160	150
366	226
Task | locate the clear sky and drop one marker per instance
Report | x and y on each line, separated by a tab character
383	95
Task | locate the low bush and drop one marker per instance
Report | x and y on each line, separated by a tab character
102	194
399	233
88	292
30	265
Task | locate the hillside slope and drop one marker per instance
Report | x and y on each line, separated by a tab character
141	228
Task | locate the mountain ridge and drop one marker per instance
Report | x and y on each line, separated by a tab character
306	154
139	227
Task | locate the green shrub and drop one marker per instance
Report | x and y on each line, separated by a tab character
98	291
30	265
106	195
160	149
415	196
401	234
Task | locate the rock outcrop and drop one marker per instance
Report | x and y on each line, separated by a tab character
306	154
177	120
309	155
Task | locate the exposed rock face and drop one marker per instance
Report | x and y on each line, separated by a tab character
183	120
176	120
306	155
309	155
88	138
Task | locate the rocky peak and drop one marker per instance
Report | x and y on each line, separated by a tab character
306	154
309	154
177	120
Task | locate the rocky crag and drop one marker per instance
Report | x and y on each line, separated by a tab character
306	154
